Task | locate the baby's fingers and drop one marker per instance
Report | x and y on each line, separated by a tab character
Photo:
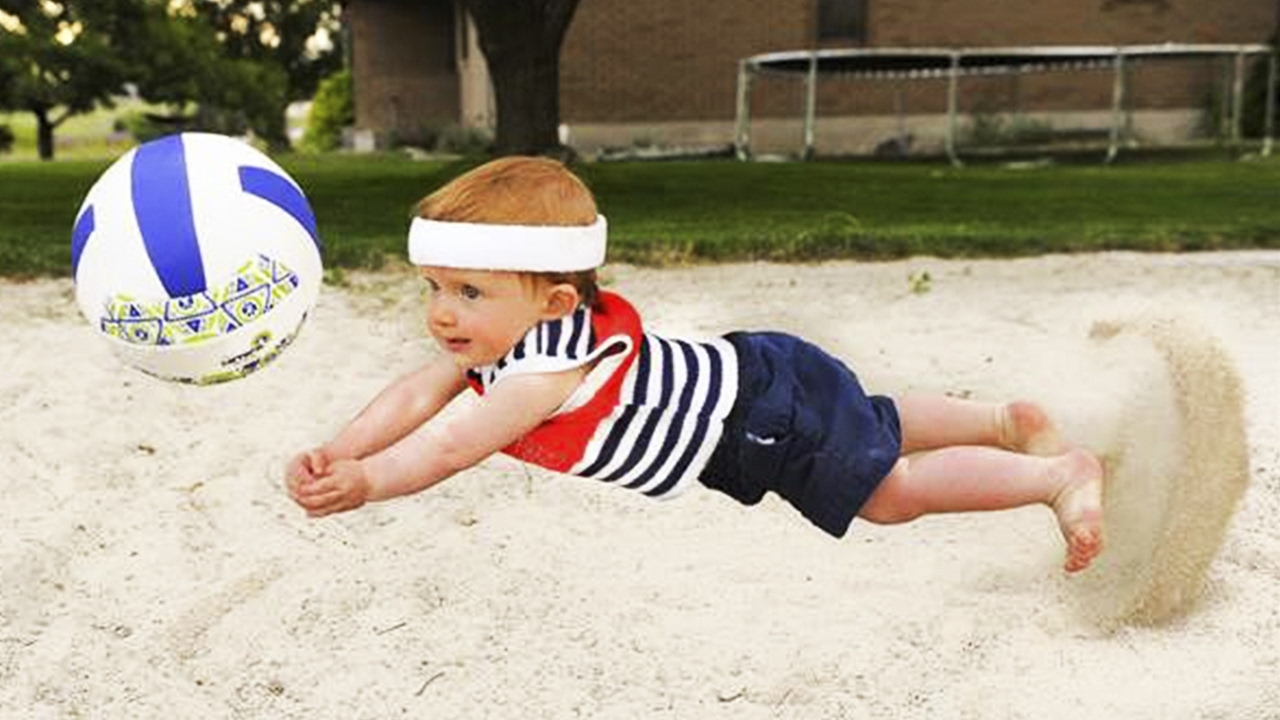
296	481
305	468
317	462
319	503
314	487
339	502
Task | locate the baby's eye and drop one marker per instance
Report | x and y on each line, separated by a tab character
470	292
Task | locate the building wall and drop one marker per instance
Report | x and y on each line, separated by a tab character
1079	22
665	71
1152	84
651	60
402	56
669	59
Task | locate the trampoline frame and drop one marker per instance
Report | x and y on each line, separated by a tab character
954	63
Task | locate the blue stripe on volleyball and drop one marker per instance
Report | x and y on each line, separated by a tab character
80	236
278	191
162	205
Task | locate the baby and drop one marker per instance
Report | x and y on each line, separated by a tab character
569	379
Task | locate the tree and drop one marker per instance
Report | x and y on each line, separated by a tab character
279	35
61	59
187	64
66	57
521	40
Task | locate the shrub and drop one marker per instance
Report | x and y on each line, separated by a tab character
332	110
463	140
146	126
1253	116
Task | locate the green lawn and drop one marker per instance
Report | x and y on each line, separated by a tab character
92	135
724	210
86	136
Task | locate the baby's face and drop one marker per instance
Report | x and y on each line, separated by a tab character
477	316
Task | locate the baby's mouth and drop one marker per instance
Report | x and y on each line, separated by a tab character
456	344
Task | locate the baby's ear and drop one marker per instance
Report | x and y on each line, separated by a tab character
561	300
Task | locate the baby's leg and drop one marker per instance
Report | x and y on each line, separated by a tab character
966	479
936	421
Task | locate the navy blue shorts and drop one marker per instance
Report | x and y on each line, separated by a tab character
803	427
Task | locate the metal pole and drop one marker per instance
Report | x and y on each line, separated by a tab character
1117	102
953	82
1237	98
742	123
1224	105
810	104
1270	116
899	110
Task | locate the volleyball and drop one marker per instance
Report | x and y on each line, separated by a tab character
196	258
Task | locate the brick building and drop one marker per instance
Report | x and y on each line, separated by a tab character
665	71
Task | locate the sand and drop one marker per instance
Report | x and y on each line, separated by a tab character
152	567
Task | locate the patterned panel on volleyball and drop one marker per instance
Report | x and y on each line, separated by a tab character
257	287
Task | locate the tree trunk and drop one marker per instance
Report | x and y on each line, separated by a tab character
521	42
527	91
44	133
275	129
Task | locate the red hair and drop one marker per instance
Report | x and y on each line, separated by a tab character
519	190
513	191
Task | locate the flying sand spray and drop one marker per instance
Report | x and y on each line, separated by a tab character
1169	424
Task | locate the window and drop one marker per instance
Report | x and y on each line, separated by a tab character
844	20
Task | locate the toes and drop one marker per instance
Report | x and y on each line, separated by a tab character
1082	549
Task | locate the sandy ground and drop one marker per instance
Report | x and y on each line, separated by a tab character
151	566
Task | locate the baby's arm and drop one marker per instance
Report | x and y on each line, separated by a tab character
402	407
435	451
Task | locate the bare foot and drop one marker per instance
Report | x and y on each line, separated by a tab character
1026	428
1078	505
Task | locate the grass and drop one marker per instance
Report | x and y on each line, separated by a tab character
724	210
91	135
87	136
875	210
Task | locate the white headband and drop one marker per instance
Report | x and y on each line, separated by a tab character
530	248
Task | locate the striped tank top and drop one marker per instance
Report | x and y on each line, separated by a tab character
647	415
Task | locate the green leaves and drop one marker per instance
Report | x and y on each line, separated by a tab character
247	57
333	109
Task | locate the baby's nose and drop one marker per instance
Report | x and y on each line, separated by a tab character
440	315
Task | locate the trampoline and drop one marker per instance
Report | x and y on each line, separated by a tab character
954	63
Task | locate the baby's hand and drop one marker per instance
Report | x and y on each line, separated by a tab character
342	485
305	467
